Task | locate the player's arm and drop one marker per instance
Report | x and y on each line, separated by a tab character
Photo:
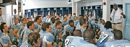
15	33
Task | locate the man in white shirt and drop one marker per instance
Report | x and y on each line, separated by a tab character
117	17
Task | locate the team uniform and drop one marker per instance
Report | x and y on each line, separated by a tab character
44	19
48	20
64	23
101	26
37	27
13	27
76	22
26	32
85	44
72	18
117	43
56	32
4	39
80	28
26	44
76	41
105	36
46	37
69	29
20	29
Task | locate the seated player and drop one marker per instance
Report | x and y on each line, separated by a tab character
18	31
106	35
72	40
44	19
64	22
57	31
12	27
37	23
86	41
69	28
76	21
33	40
46	35
118	40
70	17
102	25
52	21
4	38
48	19
30	28
89	39
83	25
95	23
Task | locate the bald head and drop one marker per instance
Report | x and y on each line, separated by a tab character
89	34
77	33
117	35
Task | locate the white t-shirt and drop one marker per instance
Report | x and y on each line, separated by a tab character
116	16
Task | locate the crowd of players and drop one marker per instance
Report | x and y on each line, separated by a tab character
61	31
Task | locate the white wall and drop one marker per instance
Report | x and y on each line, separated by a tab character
44	4
9	10
99	2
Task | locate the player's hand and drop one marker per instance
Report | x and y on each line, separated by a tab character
60	36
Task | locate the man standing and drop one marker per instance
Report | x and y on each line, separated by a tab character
117	17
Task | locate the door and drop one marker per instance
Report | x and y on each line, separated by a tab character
127	22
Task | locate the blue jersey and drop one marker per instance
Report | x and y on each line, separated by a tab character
13	27
80	28
26	44
56	31
116	43
37	27
90	19
26	32
53	25
46	37
68	28
48	20
76	22
75	41
4	39
20	28
83	43
72	41
64	23
105	36
101	26
72	18
95	24
44	20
